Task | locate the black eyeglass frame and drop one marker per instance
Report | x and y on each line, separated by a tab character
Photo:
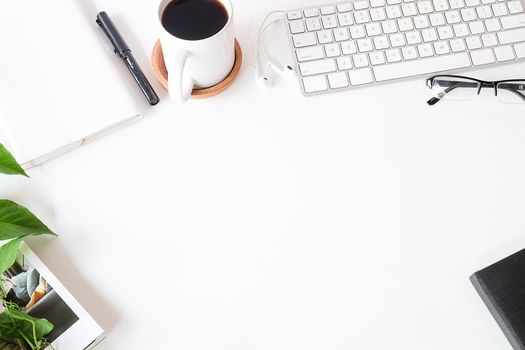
480	85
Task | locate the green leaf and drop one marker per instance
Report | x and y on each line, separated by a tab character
8	164
26	322
43	327
17	221
8	254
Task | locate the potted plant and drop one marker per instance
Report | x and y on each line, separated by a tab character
18	330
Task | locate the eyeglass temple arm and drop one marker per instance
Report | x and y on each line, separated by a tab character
457	84
512	88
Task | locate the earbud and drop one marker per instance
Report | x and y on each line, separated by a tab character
262	75
266	63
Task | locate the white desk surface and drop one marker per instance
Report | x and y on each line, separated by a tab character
261	219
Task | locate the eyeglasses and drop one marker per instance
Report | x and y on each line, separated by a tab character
458	88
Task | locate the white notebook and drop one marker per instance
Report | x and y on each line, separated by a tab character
52	98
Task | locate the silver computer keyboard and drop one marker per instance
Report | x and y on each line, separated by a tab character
344	45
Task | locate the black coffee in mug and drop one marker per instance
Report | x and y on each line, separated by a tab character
194	19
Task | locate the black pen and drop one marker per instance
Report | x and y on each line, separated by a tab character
123	50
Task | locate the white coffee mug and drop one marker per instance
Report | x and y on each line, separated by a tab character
197	64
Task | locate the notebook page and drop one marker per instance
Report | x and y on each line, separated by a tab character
58	83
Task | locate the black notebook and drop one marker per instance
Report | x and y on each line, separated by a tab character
502	288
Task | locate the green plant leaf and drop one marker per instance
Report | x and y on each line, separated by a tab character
17	221
43	327
8	254
26	322
8	164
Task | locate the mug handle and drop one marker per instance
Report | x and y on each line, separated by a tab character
179	90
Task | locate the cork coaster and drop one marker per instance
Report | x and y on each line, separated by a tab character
159	68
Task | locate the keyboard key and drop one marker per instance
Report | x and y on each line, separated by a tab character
313	24
425	50
311	13
397	40
476	27
393	55
332	50
492	25
453	17
462	29
341	34
421	22
348	47
413	37
346	19
360	76
360	61
393	11
328	10
409	9
381	42
441	48
361	17
469	14
344	63
377	14
325	37
423	66
329	21
297	26
294	15
360	5
457	4
309	53
357	32
338	80
500	9
389	27
306	39
473	42
445	32
520	50
485	2
484	12
317	67
376	58
511	36
315	84
472	2
489	40
393	2
457	45
441	5
480	57
347	7
373	29
424	7
515	6
437	19
409	52
511	22
429	35
365	45
405	24
504	53
377	3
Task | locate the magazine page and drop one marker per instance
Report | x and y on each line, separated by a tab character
31	285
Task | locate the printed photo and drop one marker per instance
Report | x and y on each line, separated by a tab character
37	292
27	288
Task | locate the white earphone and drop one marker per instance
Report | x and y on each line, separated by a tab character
265	62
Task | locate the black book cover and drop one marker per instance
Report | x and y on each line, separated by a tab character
502	288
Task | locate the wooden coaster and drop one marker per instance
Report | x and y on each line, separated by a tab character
159	68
